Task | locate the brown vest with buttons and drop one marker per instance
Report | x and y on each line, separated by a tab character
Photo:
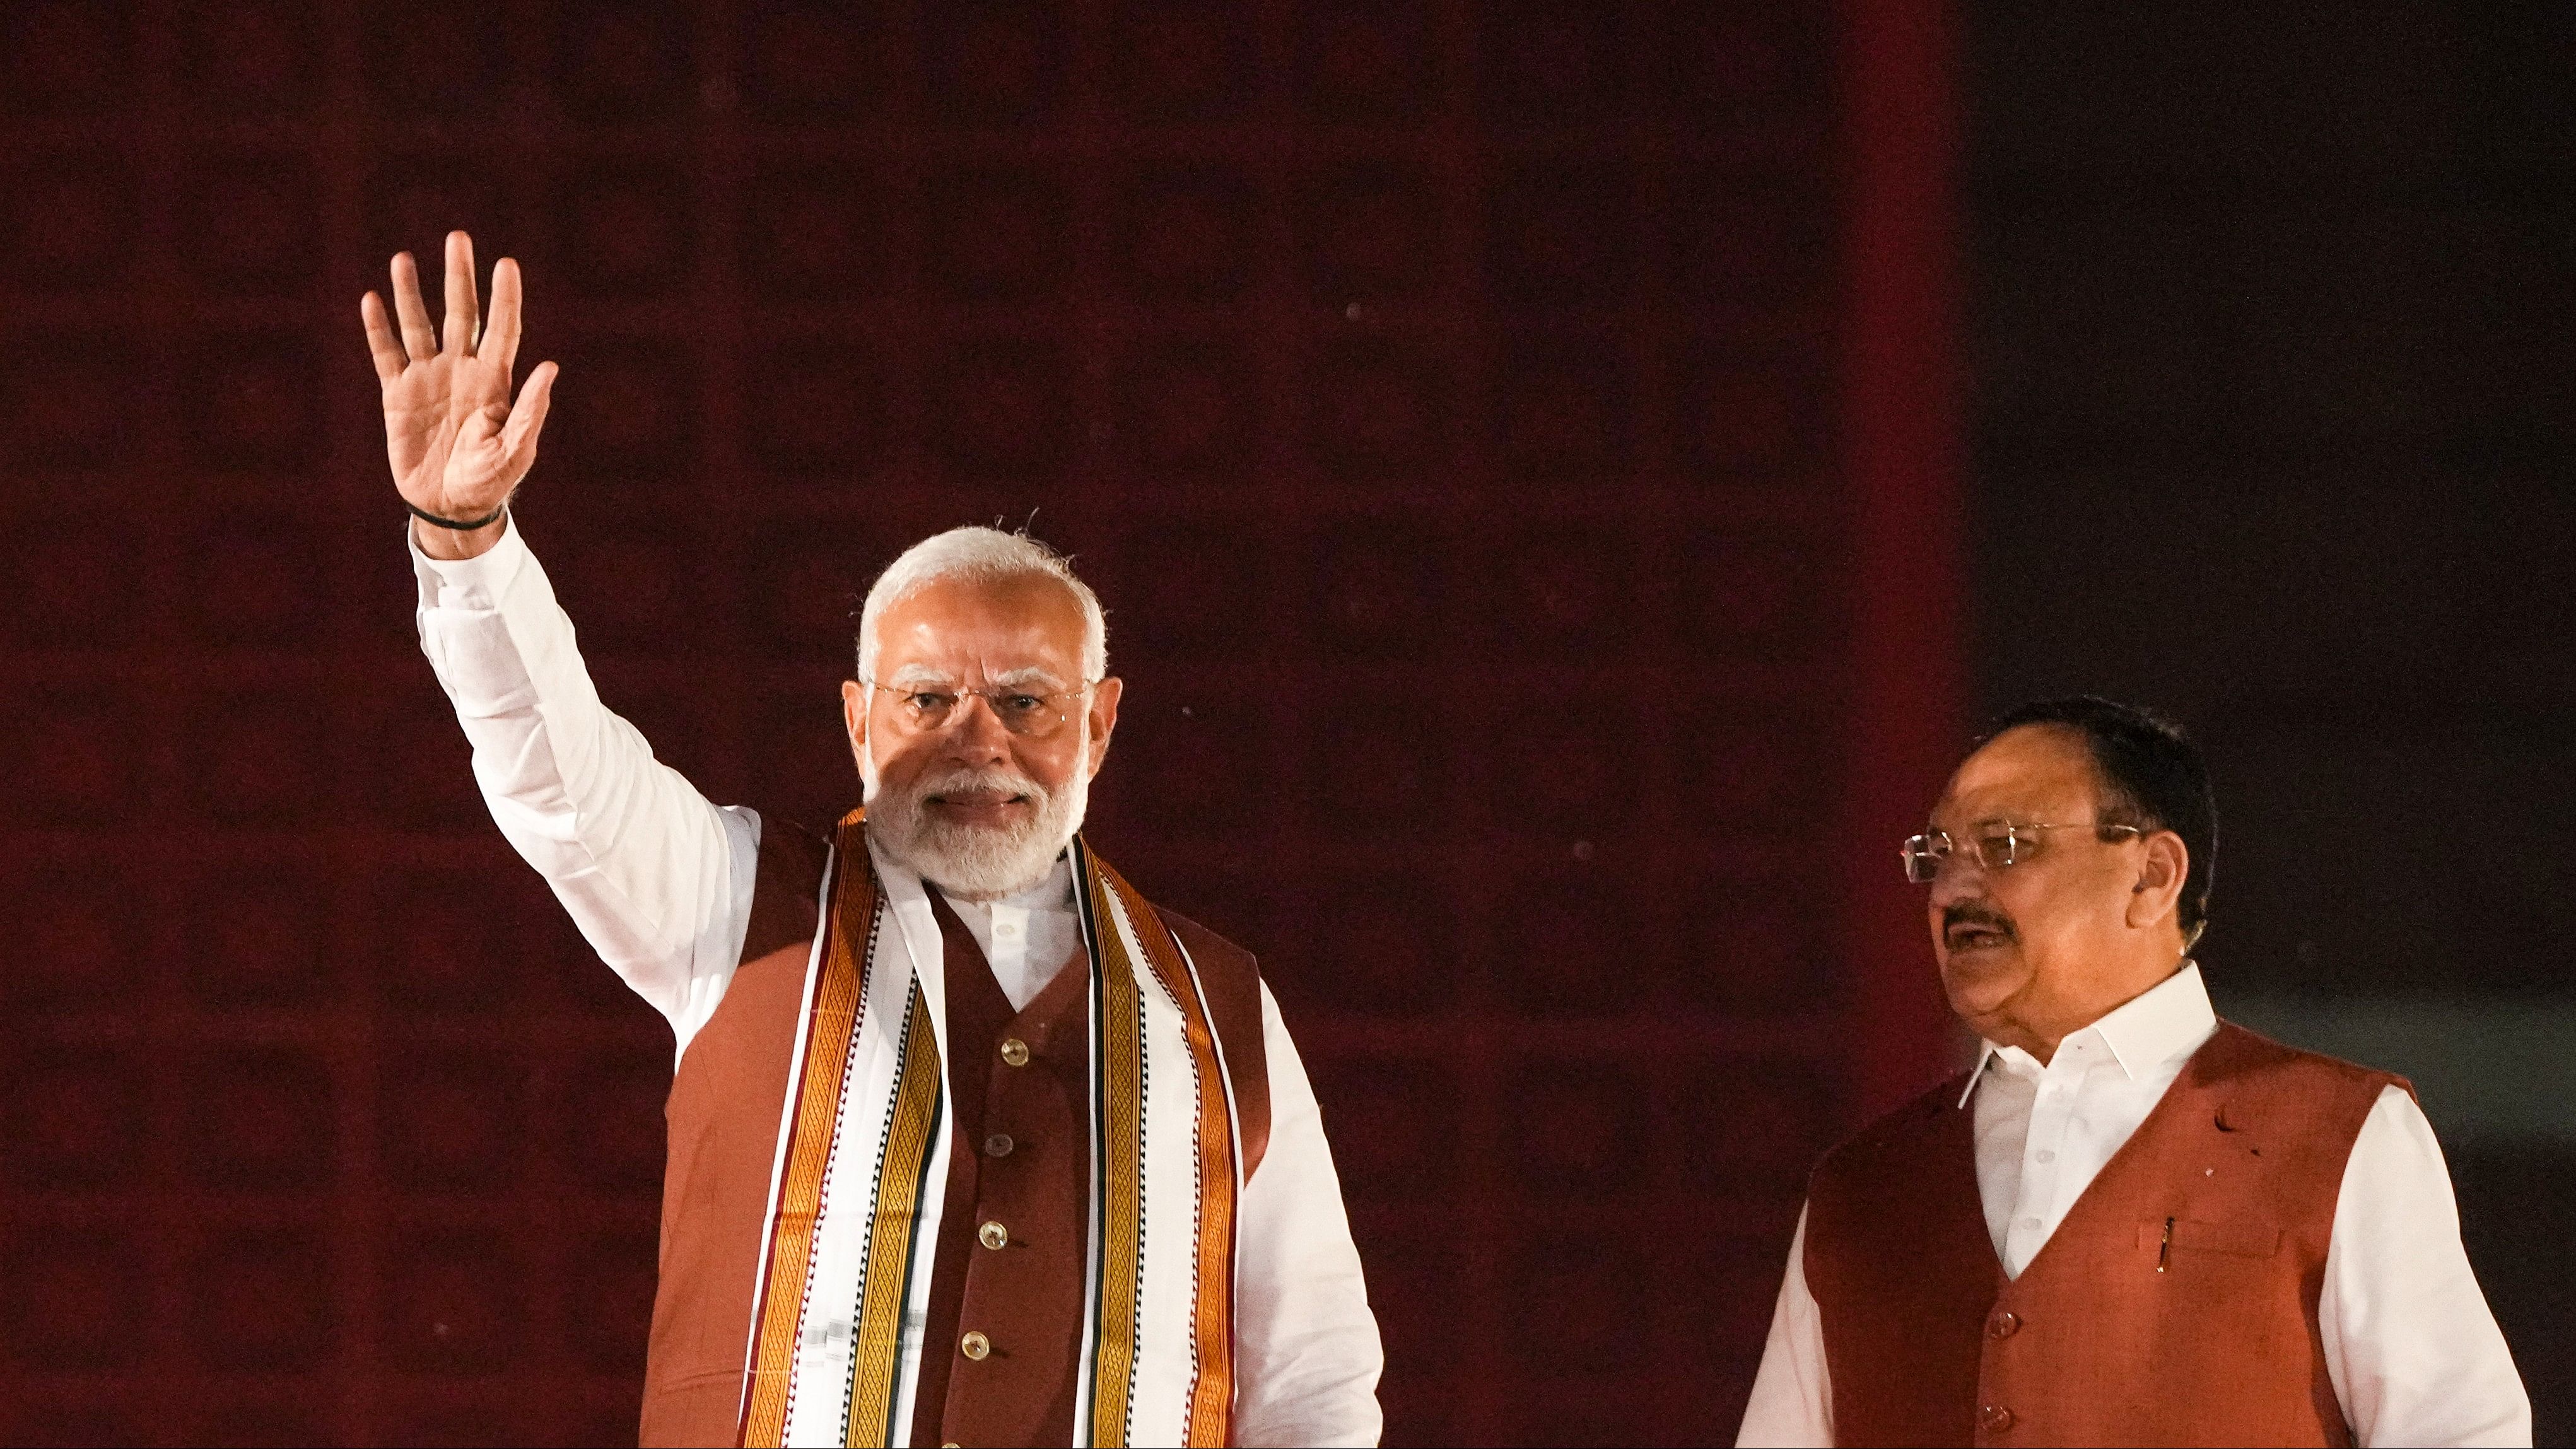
1019	1161
2176	1304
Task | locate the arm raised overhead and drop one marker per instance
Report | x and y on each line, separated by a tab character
657	877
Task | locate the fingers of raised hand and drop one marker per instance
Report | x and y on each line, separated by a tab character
381	342
464	310
527	417
419	338
500	345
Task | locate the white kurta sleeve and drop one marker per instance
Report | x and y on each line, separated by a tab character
1793	1399
2413	1351
657	878
1306	1344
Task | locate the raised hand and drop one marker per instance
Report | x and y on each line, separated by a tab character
458	445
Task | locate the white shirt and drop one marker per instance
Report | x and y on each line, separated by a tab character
1027	936
659	881
2413	1352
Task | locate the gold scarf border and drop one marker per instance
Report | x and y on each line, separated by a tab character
840	998
1118	1056
903	1157
903	1165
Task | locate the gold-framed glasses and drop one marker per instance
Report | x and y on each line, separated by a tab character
923	709
1993	844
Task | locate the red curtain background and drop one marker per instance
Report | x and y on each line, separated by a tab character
1516	443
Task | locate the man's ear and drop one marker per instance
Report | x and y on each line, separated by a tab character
854	720
1103	712
2161	873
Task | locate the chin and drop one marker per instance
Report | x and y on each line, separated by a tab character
1979	981
989	859
980	862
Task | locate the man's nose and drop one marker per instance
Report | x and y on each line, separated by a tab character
1959	877
976	731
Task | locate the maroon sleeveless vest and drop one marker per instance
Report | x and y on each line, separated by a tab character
723	1115
2176	1304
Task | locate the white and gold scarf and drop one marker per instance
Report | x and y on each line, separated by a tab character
855	1197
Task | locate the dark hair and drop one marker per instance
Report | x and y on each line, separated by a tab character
2152	778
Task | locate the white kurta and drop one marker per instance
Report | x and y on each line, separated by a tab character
2414	1353
659	880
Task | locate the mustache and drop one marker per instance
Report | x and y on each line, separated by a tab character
1974	913
960	781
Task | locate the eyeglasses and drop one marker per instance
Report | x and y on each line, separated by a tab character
926	709
1995	845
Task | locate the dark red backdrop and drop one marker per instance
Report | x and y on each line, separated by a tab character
1516	445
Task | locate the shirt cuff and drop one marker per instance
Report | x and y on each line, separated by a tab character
471	583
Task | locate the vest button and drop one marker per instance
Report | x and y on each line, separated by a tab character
1994	1418
2004	1324
1015	1051
999	1145
976	1346
994	1235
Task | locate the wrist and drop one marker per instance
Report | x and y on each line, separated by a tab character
449	544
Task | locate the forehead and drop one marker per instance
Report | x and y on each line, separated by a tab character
2027	773
986	624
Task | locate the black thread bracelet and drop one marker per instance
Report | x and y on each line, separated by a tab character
425	516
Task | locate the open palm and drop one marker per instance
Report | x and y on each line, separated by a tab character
457	443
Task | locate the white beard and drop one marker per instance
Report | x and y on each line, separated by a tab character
977	862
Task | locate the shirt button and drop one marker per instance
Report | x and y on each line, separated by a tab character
999	1145
976	1346
994	1235
1015	1051
2030	1222
2004	1324
2047	1156
1994	1418
1006	930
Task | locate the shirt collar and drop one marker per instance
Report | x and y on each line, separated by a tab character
2166	1020
1055	893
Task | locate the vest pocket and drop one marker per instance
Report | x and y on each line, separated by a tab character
2195	1235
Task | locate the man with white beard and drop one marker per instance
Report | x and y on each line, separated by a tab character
968	1142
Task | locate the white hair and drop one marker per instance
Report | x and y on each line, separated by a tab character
985	555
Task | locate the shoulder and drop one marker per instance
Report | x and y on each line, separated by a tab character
1230	984
1211	953
792	846
2259	1082
1898	1134
2237	1056
787	887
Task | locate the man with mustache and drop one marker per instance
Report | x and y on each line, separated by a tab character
969	1143
2131	1222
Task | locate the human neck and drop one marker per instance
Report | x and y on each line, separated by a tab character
988	897
2039	1027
